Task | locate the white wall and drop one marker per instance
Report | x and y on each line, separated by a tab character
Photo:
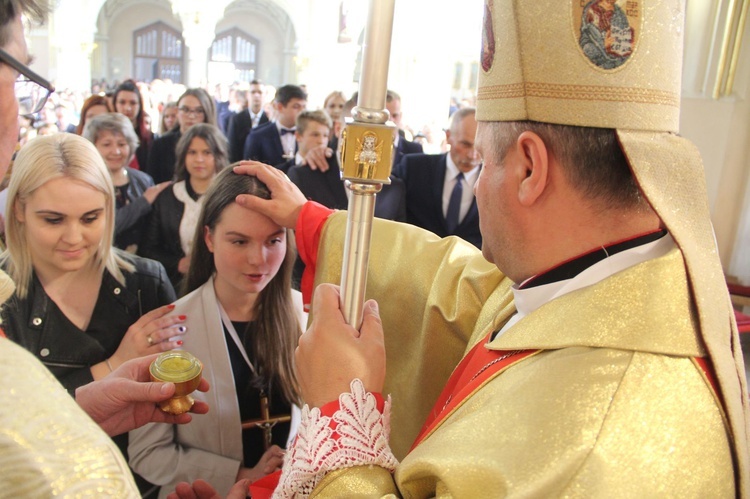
720	128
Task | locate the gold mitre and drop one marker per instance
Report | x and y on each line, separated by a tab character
617	64
600	63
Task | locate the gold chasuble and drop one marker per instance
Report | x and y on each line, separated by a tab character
614	404
49	447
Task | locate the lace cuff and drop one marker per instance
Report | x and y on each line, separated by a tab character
357	434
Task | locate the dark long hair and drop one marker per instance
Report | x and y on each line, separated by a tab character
215	140
274	333
141	128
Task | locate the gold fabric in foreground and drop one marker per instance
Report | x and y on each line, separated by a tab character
670	173
48	446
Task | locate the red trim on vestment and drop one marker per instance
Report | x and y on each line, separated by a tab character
475	369
309	227
743	321
708	370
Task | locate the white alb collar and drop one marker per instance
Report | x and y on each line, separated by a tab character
530	299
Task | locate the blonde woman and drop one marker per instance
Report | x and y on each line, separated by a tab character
81	306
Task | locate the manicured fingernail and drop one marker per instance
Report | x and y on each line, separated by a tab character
179	343
170	307
182	317
182	329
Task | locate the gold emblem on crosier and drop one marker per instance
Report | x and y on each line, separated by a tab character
367	154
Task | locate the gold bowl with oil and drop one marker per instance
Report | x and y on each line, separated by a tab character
184	370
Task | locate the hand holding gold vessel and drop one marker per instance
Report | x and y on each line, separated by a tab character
126	398
182	369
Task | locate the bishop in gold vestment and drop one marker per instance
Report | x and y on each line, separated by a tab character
632	384
614	405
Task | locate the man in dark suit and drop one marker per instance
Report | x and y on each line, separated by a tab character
440	187
242	123
401	146
62	114
274	142
225	100
326	187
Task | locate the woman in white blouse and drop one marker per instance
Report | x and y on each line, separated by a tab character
245	322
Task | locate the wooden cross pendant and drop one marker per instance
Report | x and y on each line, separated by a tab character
265	422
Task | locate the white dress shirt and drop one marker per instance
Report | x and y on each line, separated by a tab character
255	117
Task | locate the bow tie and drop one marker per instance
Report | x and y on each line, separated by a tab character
285	131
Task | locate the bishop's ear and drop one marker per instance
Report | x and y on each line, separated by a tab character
535	164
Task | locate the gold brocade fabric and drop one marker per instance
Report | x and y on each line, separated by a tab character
670	173
48	446
432	288
613	407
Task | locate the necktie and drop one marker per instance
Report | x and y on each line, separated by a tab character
454	205
285	131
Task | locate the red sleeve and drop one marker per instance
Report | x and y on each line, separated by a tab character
309	227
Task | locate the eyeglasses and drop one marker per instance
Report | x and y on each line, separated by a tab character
32	91
198	111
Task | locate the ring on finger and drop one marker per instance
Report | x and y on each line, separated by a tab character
150	340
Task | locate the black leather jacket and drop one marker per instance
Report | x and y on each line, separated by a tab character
131	218
37	324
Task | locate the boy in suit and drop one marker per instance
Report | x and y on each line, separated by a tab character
312	130
326	187
274	142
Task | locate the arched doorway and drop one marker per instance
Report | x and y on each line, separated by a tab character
234	53
158	53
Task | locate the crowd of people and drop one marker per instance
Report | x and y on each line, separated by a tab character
159	177
68	109
545	300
